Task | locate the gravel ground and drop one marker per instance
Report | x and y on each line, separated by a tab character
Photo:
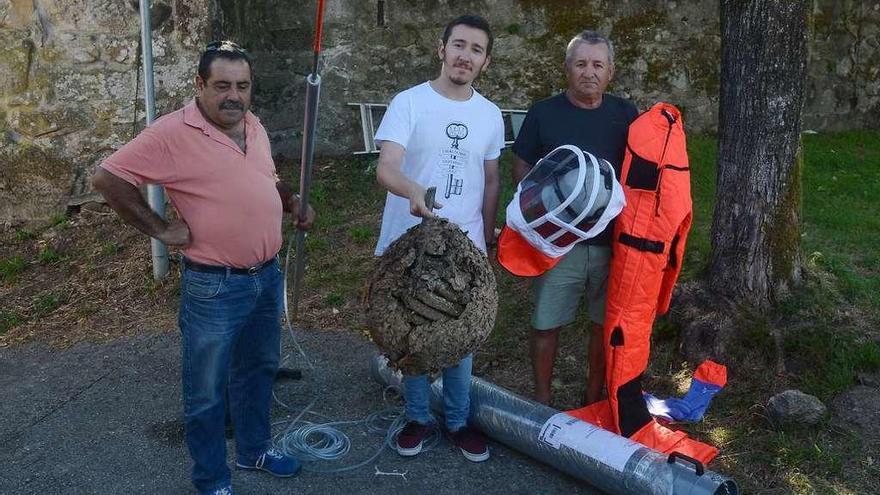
105	419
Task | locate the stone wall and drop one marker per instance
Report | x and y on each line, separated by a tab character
375	48
843	80
72	89
70	72
665	50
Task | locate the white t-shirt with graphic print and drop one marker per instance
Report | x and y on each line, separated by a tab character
446	143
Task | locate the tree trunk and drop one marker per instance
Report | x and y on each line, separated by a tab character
756	227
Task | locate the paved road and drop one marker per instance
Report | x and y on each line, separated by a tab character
105	419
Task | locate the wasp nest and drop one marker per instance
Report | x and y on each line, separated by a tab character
432	299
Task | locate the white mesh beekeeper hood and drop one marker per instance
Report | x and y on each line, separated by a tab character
568	196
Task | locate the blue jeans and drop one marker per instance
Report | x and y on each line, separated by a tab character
231	330
456	395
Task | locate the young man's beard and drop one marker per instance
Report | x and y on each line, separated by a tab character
463	80
460	81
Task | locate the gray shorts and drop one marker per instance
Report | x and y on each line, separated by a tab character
557	293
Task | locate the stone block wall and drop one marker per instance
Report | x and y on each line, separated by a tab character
843	78
665	51
72	89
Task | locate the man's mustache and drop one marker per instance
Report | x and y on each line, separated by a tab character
231	105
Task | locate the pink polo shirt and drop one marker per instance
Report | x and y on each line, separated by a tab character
227	197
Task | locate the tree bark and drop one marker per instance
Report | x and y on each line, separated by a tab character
756	227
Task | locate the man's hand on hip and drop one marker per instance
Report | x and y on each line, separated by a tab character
176	235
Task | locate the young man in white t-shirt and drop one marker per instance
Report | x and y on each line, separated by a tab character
443	133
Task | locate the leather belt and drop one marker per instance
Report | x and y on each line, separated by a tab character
200	267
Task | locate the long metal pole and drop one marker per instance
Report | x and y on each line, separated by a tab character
310	120
155	193
313	92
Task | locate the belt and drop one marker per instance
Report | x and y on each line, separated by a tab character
199	267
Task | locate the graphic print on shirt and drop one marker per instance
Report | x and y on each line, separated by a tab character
452	161
456	131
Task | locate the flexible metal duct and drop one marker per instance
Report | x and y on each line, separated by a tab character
603	459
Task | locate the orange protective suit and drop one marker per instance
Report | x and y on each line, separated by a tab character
648	247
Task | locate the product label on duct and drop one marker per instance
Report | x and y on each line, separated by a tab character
602	445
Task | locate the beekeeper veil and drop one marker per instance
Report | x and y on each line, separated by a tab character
569	196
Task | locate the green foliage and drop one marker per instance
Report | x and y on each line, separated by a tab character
10	268
841	181
58	220
372	164
24	235
513	316
828	358
702	153
632	32
656	74
48	255
9	320
823	322
47	303
317	193
703	68
823	344
841	187
361	234
348	203
806	451
333	299
315	244
110	248
151	286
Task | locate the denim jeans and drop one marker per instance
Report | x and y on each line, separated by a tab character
230	326
456	395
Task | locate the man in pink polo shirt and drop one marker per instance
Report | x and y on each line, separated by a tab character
214	159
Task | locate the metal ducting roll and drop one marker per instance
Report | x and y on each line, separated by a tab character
603	459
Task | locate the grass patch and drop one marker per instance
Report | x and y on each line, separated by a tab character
333	299
58	220
702	153
828	361
807	452
11	268
49	255
315	244
9	320
47	303
361	234
22	235
110	248
842	184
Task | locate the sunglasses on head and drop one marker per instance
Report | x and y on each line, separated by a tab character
224	46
